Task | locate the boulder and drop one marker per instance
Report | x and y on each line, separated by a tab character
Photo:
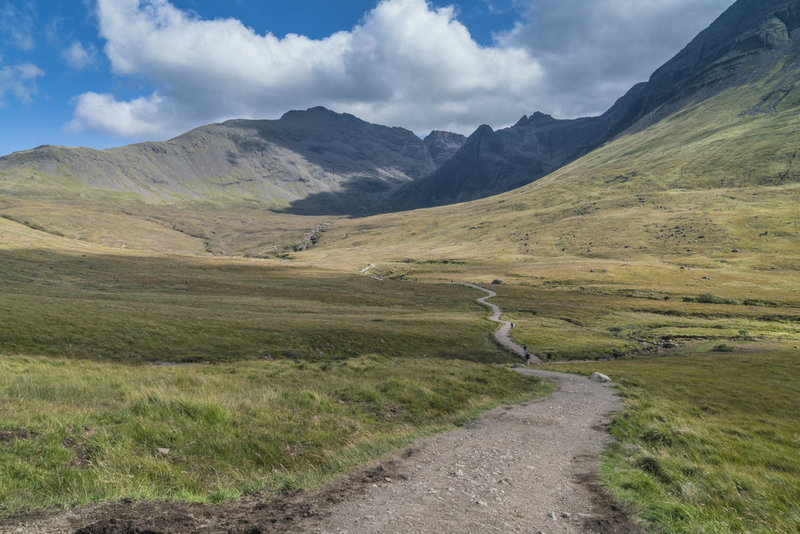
599	377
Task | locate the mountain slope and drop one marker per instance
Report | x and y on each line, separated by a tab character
745	44
442	145
713	185
350	164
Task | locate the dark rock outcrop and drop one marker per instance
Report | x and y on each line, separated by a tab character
442	145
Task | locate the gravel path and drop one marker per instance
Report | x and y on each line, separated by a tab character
502	334
528	468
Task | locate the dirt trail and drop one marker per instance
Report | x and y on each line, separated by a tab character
529	468
502	334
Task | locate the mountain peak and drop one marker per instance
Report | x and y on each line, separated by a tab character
316	113
537	119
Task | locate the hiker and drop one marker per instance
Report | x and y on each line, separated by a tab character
527	354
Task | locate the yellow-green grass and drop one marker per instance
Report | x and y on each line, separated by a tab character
143	308
74	432
189	228
708	440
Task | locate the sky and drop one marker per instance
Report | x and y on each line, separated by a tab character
103	73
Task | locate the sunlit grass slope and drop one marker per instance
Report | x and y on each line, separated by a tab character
708	440
221	226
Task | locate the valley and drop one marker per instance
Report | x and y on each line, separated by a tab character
259	316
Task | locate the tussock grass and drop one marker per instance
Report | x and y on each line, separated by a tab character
86	431
708	441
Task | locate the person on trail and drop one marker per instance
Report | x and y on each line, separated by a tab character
527	354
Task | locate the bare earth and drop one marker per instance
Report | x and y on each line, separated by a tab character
530	468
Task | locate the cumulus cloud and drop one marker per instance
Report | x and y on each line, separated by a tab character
595	50
407	63
80	57
19	80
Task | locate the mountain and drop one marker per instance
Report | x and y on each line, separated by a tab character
702	188
752	40
442	145
308	161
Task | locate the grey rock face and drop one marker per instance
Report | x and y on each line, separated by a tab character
442	145
743	45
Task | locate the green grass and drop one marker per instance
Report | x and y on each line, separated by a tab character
86	431
708	441
594	320
129	308
312	372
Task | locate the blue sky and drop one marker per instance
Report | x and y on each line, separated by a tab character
104	73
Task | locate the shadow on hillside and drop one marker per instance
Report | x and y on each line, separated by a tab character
360	197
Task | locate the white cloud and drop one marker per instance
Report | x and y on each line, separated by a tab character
137	117
20	80
407	63
80	57
593	51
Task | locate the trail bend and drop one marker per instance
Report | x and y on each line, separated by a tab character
502	334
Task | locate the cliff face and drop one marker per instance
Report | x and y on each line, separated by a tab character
442	145
751	41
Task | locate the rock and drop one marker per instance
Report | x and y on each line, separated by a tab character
497	282
162	450
442	145
599	377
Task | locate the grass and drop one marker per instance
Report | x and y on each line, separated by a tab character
708	441
145	308
595	321
309	373
89	431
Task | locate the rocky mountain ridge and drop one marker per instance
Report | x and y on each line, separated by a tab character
307	161
321	162
751	41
